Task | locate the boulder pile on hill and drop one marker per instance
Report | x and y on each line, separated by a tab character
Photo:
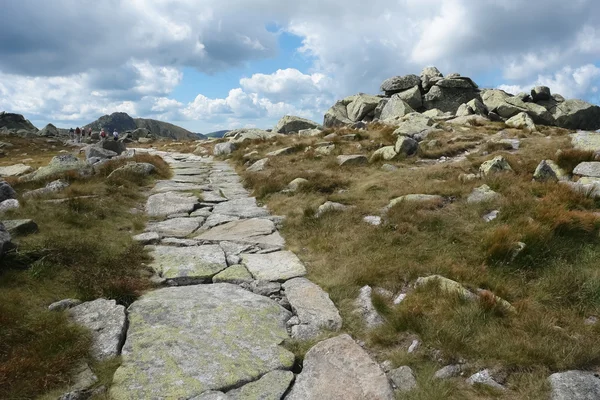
436	95
16	124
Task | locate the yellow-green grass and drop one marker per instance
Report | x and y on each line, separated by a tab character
83	250
554	283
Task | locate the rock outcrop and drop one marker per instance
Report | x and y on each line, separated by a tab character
15	123
291	124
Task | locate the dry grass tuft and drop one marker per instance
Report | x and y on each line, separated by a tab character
570	158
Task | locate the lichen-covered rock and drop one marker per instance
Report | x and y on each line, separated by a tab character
521	121
589	169
224	149
586	141
572	385
258	166
482	194
495	165
235	274
339	369
97	151
395	109
251	231
272	386
188	340
406	146
163	204
385	153
15	170
291	124
294	185
548	170
413	124
313	307
398	84
349	160
188	265
132	169
403	379
107	324
277	266
176	227
59	165
52	187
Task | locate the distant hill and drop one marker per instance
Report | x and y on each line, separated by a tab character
123	122
217	134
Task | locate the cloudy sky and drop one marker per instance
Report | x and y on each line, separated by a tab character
221	64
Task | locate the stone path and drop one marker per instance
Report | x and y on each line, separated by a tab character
232	294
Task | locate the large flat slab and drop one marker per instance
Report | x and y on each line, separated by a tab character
243	208
175	227
254	231
278	266
188	265
185	341
190	179
168	203
172	186
190	171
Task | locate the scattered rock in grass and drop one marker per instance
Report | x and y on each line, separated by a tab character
406	146
15	170
309	132
356	159
484	377
9	204
548	170
292	124
372	220
591	320
107	323
468	177
495	165
147	238
313	307
132	168
482	194
365	308
52	187
20	227
294	185
258	166
389	167
386	153
329	207
403	379
286	150
338	368
224	149
522	121
589	169
449	371
492	215
413	346
64	304
6	192
414	198
325	150
572	385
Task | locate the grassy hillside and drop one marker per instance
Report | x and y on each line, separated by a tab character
553	284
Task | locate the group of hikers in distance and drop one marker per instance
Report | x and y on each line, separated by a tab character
77	133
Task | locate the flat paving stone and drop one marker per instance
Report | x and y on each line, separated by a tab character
163	204
176	227
243	208
171	186
188	265
218	219
185	341
190	179
278	266
254	231
190	171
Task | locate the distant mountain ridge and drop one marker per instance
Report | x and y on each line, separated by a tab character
122	122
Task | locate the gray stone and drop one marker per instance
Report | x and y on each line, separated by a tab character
241	135
310	132
15	170
185	341
291	124
590	169
492	215
325	150
339	369
258	166
403	379
362	106
372	220
415	198
577	114
132	168
52	187
280	152
412	97
413	124
243	208
349	160
365	309
218	219
171	241
406	146
163	204
429	77
224	149
170	186
294	185
202	212
395	109
389	167
548	170
211	395
10	204
107	323
330	206
337	115
313	307
20	227
264	288
574	385
235	274
188	265
4	239
386	153
482	194
61	164
6	192
495	165
449	371
540	93
278	266
448	99
272	386
585	141
147	238
176	227
64	304
521	121
252	231
398	84
484	378
96	151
